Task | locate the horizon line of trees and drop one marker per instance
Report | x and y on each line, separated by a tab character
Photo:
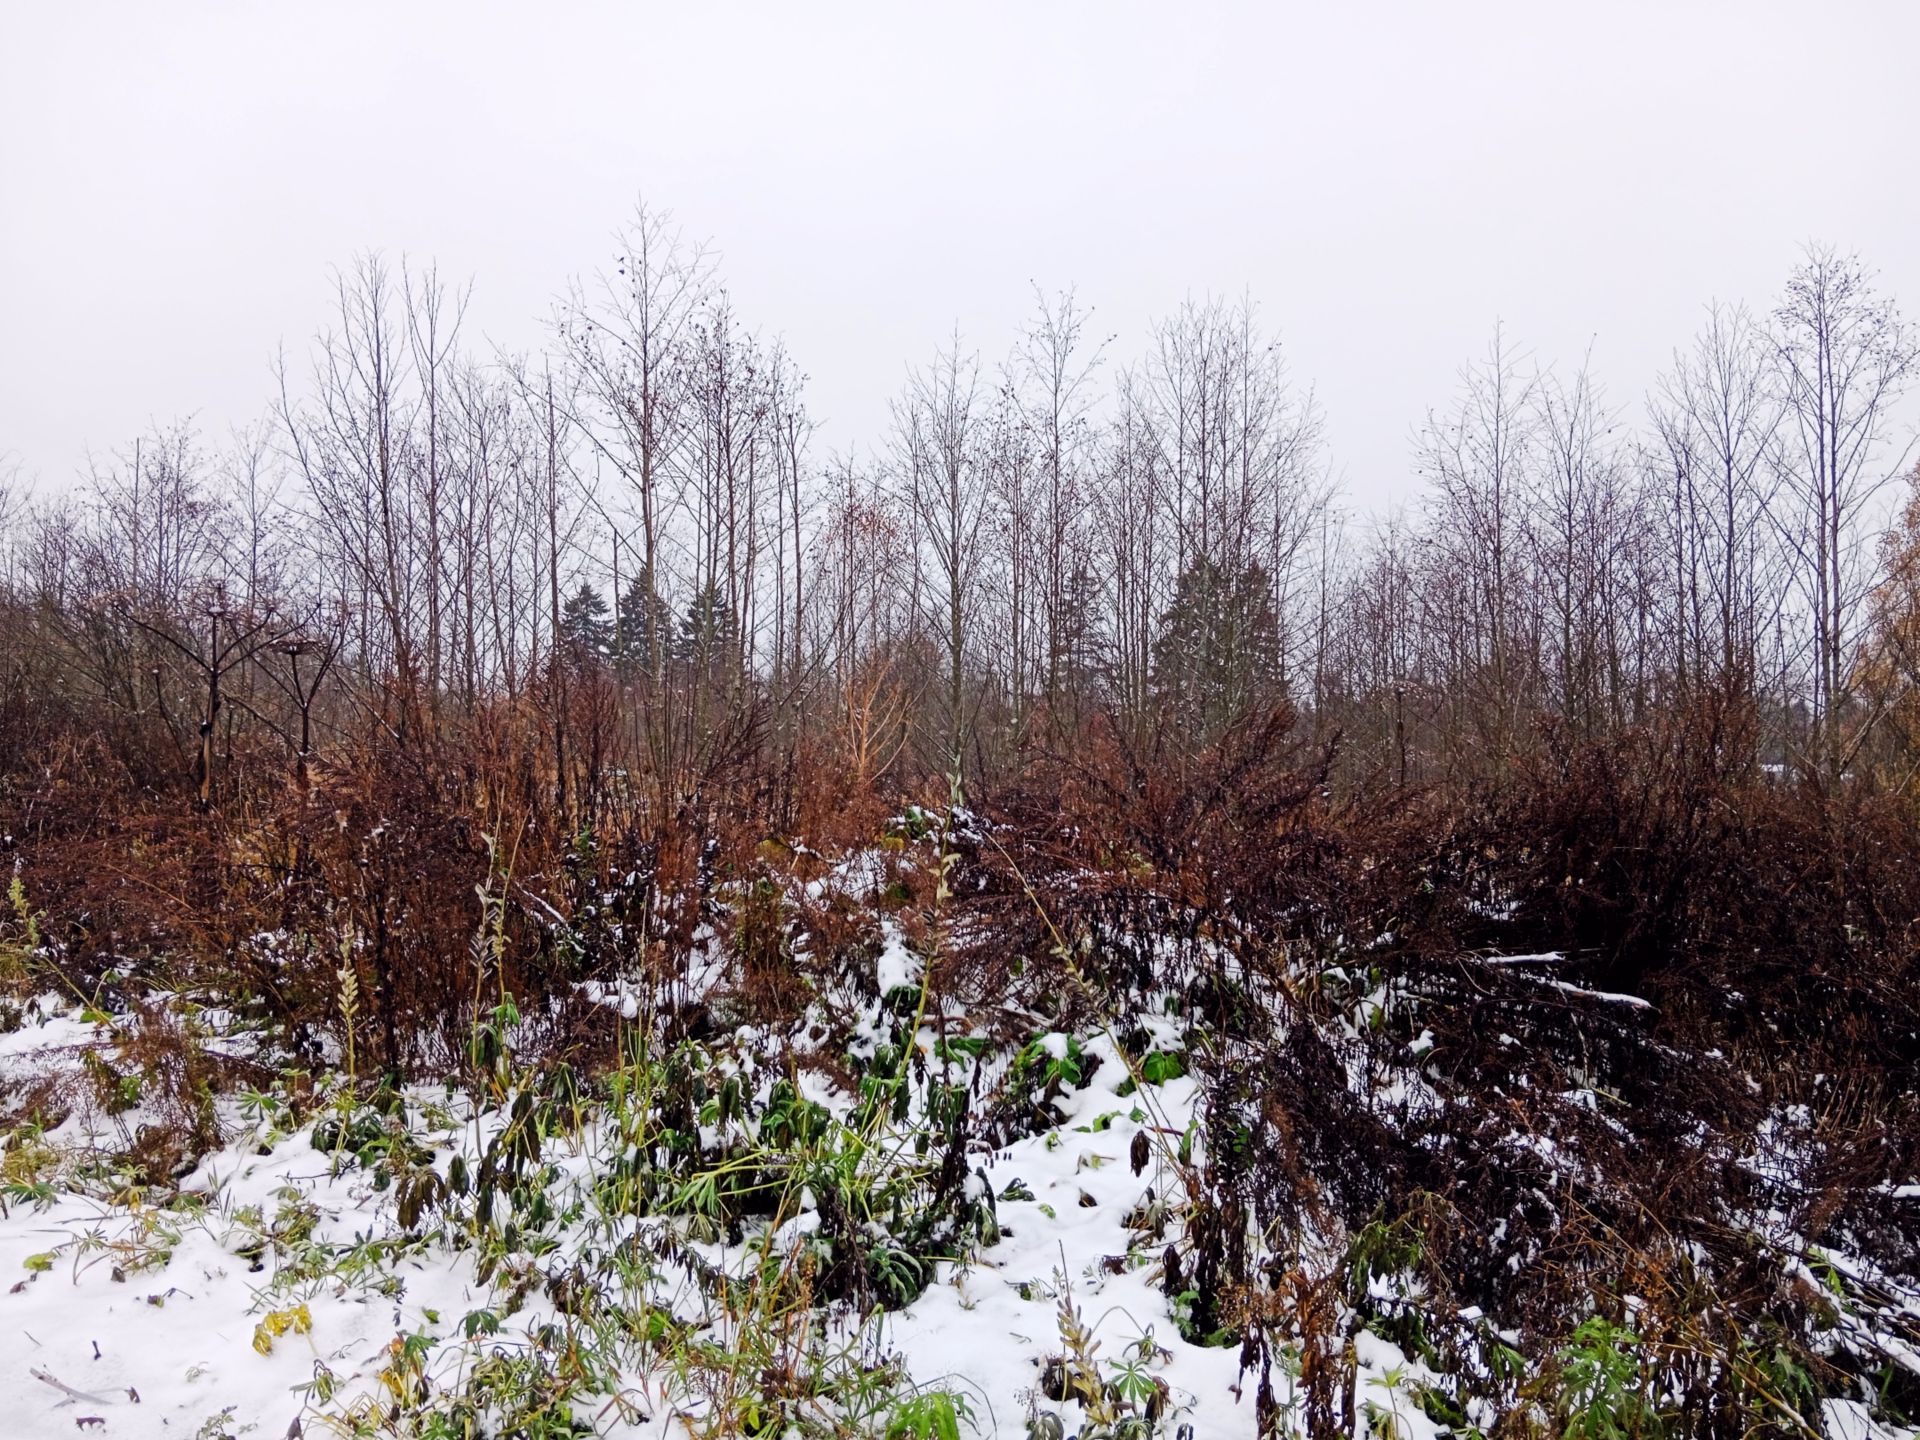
628	543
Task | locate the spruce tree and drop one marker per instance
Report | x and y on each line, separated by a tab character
643	631
1217	655
586	632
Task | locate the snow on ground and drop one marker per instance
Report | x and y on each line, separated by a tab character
132	1320
279	1286
989	1328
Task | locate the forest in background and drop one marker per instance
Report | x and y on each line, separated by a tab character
629	536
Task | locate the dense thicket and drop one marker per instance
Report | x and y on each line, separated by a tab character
593	612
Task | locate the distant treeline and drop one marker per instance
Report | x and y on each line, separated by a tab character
631	536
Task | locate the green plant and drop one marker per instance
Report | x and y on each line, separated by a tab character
1156	1067
1600	1394
929	1415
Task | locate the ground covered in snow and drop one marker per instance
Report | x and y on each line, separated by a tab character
282	1280
1149	1188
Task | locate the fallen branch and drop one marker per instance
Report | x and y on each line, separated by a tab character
67	1390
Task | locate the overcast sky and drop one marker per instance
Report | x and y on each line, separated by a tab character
1387	180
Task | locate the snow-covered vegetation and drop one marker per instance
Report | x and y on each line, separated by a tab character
949	1135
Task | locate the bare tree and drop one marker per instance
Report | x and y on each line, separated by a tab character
1055	369
1843	356
350	439
937	438
1578	517
1714	416
1136	544
1475	460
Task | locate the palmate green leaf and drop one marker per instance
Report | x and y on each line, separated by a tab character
931	1415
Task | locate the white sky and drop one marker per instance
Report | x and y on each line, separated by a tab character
1386	179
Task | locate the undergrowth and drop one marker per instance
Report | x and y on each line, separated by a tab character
1583	1109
